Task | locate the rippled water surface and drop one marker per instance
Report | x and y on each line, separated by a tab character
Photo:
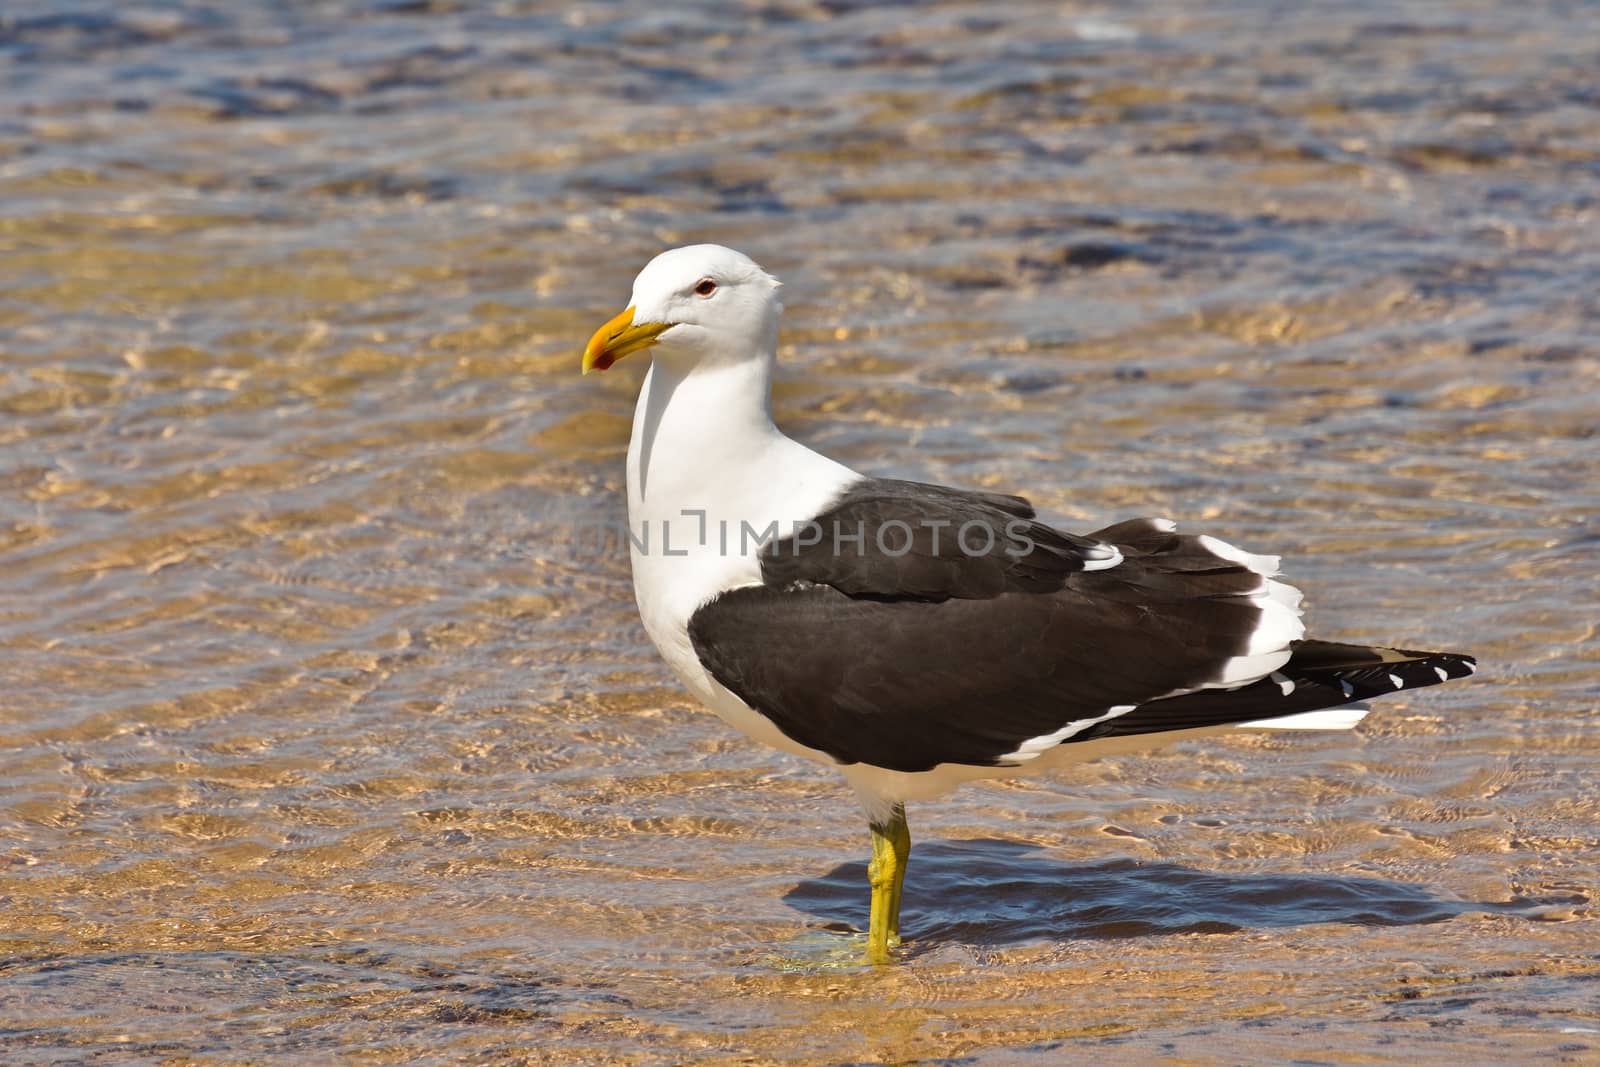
322	740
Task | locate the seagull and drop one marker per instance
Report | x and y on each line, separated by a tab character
915	636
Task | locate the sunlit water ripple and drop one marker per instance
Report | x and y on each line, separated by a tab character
324	735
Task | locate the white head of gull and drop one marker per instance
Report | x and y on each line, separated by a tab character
916	636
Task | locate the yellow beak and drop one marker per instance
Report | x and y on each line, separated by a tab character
620	337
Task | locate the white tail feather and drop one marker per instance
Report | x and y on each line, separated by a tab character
1343	717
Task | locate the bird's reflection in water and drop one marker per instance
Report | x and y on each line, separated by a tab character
991	892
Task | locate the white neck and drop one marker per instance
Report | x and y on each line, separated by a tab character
693	422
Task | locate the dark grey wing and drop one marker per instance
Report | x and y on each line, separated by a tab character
908	540
931	656
909	684
935	657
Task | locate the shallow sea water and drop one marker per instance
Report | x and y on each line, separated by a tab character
324	737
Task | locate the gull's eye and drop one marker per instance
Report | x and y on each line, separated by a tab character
705	287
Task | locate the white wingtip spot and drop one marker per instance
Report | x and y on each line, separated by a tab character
1346	687
1164	525
1444	676
1285	683
1278	626
1287	595
1107	563
1266	566
1268	649
1394	680
1472	668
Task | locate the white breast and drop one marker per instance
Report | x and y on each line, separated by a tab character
701	501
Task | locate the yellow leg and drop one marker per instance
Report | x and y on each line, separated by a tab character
891	847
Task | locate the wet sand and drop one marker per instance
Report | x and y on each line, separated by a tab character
326	734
